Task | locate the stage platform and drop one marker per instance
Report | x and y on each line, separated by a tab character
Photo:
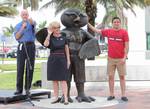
7	96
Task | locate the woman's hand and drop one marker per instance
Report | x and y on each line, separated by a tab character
68	64
50	31
46	42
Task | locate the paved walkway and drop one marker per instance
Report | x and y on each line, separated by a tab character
138	94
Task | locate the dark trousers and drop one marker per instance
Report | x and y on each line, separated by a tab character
23	65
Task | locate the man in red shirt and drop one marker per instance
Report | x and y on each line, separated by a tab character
118	46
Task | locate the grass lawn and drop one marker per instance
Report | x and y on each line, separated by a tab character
8	79
13	59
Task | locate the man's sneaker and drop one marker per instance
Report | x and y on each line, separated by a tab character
124	98
110	98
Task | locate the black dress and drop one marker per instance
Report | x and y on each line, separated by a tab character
57	61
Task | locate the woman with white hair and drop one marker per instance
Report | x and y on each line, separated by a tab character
58	60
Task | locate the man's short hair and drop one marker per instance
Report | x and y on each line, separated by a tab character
115	18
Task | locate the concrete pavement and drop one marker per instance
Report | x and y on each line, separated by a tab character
138	93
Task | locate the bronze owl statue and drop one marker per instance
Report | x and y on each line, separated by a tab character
82	45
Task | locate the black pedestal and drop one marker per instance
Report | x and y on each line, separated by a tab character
7	96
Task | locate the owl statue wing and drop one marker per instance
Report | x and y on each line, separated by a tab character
89	49
41	35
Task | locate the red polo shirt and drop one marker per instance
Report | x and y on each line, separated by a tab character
116	42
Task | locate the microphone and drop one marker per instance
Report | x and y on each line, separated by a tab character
24	24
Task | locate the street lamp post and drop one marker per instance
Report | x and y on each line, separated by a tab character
3	40
147	30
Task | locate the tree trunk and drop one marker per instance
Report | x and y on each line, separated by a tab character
123	19
34	4
91	10
26	4
147	2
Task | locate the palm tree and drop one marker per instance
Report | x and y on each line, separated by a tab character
88	6
116	9
42	25
91	11
8	31
63	4
34	4
7	8
112	7
147	2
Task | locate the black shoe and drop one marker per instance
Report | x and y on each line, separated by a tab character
66	103
124	98
18	92
56	101
110	98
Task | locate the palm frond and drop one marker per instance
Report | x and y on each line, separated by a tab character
8	11
8	31
64	4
